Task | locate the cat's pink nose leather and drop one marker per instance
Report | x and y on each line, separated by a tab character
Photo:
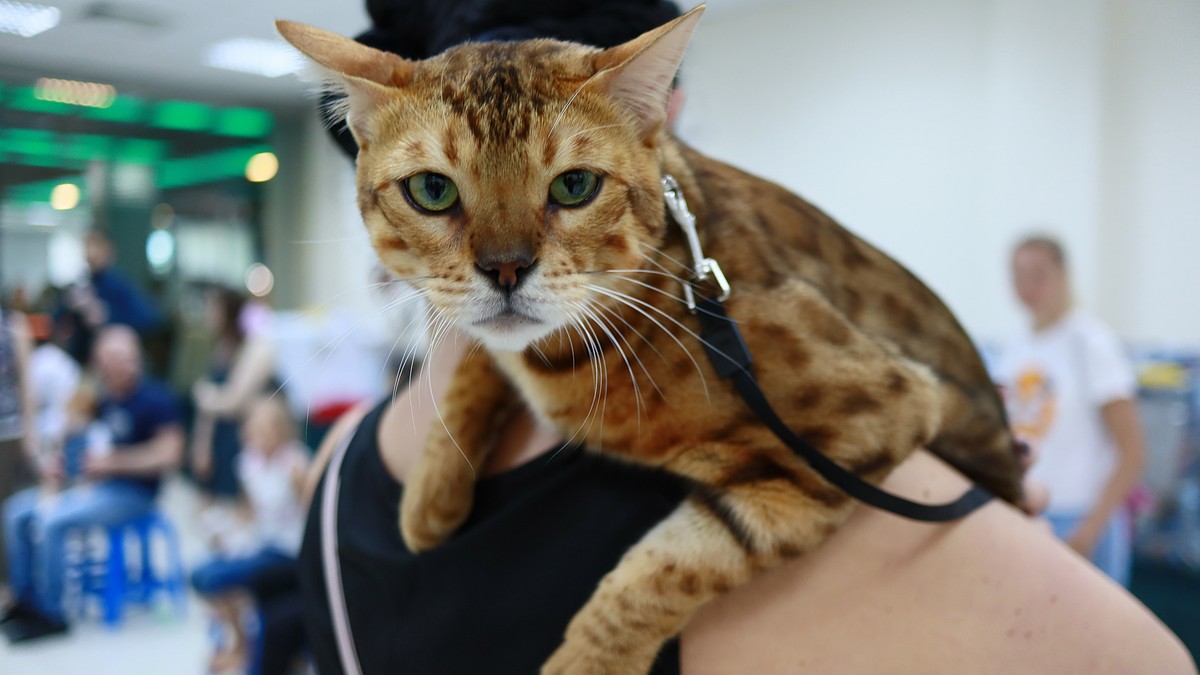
506	275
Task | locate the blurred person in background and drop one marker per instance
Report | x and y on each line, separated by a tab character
18	436
1070	392
122	468
271	471
240	368
105	297
53	377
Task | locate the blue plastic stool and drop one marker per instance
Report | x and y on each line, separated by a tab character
112	581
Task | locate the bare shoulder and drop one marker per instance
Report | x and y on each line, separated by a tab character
994	592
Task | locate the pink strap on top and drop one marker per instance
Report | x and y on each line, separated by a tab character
329	560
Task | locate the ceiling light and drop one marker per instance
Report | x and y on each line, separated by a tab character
27	20
64	197
88	94
270	58
262	167
160	250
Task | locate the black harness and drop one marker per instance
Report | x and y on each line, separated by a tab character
729	356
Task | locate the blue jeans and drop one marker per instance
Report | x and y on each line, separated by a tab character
1114	551
35	534
222	574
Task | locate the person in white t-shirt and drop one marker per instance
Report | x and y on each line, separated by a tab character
1070	393
271	470
54	377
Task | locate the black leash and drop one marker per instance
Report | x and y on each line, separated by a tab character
727	350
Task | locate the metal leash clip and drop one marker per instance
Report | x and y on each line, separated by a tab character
703	268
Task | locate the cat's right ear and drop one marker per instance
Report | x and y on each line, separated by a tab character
365	75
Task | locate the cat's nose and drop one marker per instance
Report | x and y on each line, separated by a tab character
506	275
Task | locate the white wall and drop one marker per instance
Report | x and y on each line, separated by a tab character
942	130
316	240
1150	202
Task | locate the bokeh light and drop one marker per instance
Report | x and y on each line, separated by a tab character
262	167
64	197
259	280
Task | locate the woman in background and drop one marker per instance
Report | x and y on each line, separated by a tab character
18	438
271	471
239	369
1070	393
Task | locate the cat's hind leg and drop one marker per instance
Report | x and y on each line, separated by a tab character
440	489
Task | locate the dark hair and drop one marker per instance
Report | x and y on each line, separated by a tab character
419	29
230	303
1049	244
99	234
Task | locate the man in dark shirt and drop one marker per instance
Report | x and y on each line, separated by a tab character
105	297
136	439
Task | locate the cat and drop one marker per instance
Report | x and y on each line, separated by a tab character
519	185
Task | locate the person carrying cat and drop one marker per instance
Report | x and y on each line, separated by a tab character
485	92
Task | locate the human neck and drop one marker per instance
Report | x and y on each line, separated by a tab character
1050	318
411	414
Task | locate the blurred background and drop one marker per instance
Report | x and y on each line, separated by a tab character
940	130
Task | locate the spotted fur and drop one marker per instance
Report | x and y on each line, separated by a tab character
858	356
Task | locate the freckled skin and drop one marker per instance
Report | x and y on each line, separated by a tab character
857	355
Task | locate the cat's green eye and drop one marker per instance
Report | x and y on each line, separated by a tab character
574	187
431	192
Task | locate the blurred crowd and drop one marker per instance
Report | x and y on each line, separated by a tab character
90	430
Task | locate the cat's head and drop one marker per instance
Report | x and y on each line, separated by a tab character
509	180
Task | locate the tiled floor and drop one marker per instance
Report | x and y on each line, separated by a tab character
156	642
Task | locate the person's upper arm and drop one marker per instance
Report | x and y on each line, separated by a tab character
168	429
1109	375
251	371
346	424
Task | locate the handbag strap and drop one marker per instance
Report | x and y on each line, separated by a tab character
330	562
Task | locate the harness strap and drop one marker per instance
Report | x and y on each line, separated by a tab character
730	357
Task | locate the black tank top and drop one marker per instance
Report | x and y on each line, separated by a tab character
497	597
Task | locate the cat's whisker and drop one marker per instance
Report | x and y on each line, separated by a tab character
599	377
600	315
669	275
568	103
575	323
336	341
541	355
628	298
608	331
651	287
666	255
403	332
443	335
584	131
345	334
615	295
599	374
649	344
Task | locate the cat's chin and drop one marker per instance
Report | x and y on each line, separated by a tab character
508	332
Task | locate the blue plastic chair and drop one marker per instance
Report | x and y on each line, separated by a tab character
113	583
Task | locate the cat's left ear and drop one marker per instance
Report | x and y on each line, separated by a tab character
639	73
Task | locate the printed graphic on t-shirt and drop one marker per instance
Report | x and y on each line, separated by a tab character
1032	404
120	423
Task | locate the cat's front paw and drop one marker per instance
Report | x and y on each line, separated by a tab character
437	499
